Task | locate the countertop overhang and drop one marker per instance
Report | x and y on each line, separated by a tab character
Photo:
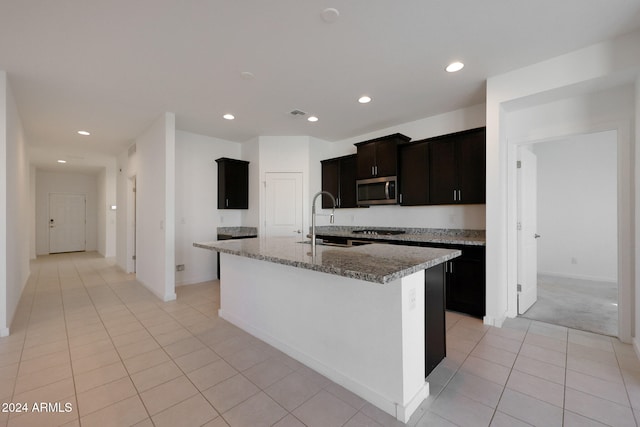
376	262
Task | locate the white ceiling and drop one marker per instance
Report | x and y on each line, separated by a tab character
112	67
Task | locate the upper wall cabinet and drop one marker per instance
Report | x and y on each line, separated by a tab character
339	179
233	184
414	173
457	168
379	157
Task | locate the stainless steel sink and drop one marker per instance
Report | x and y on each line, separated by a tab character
349	243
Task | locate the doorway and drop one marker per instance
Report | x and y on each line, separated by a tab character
577	210
131	225
67	223
283	207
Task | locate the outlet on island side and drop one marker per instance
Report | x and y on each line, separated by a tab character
180	267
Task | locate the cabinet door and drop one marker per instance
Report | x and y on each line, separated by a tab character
466	283
472	167
442	172
237	185
348	182
386	157
330	181
414	174
435	336
366	160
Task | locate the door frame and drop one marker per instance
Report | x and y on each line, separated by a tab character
626	248
131	223
529	291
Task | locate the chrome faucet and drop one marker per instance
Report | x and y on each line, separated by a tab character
313	218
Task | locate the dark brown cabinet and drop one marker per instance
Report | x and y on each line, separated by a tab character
414	174
339	179
457	166
233	183
379	157
434	317
466	282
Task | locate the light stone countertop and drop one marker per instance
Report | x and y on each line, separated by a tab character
378	263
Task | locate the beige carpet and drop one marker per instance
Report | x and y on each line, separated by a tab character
579	304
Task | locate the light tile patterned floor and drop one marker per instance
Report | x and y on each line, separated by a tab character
89	335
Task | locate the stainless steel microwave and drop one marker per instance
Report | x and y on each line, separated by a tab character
377	191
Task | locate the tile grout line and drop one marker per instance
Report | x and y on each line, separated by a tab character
95	307
24	339
509	376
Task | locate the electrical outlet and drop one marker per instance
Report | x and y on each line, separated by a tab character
180	267
412	299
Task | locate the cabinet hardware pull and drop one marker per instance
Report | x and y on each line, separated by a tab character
459	195
372	171
454	195
226	201
401	198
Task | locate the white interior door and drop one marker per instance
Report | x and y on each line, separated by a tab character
67	223
527	230
283	216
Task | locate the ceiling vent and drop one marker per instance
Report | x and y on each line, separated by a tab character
132	150
297	113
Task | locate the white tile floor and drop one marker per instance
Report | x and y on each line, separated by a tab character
88	335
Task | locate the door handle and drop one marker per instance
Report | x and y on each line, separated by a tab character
536	236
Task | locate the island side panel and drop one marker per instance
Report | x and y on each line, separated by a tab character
368	337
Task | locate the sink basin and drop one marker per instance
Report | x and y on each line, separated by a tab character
349	244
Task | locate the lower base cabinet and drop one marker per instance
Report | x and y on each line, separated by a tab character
434	327
466	283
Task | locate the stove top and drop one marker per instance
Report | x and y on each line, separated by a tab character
379	232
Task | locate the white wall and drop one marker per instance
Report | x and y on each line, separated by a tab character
251	152
155	248
65	182
197	214
271	159
153	165
14	200
585	71
106	185
577	207
458	217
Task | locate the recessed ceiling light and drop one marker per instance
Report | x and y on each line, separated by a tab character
312	119
364	99
454	66
84	132
229	116
62	161
330	15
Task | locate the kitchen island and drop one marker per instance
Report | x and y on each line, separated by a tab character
354	314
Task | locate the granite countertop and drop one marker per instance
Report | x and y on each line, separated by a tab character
235	232
416	235
378	263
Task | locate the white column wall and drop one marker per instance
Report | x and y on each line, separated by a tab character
15	202
154	167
